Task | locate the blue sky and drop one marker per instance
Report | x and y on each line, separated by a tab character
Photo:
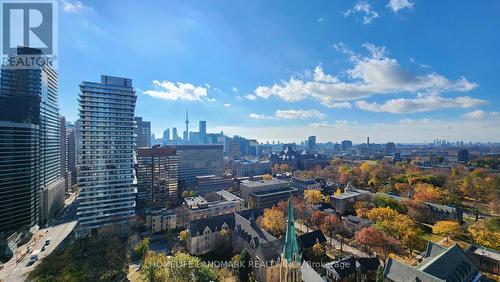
394	70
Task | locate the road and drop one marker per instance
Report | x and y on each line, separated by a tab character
335	243
57	231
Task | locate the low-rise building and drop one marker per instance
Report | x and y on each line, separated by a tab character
193	208
211	183
352	269
304	184
439	264
343	202
249	186
250	168
268	198
487	260
203	235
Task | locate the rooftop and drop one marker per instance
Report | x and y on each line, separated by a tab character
262	183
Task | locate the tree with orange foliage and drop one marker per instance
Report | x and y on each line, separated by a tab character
377	241
331	224
317	218
425	192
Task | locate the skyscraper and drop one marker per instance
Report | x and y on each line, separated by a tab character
203	132
166	137
105	161
175	136
311	144
346	145
157	176
30	175
143	133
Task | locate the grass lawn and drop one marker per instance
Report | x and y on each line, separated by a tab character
90	259
433	237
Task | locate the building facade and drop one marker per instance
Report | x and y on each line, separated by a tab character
29	144
143	133
198	160
193	208
105	161
157	176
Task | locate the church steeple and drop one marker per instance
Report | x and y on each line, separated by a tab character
291	249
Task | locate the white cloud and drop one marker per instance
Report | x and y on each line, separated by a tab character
420	104
370	75
251	97
480	114
321	19
72	7
234	89
363	8
259	116
397	5
227	105
298	114
290	114
337	124
178	91
418	121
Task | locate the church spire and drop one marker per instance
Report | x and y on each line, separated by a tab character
291	249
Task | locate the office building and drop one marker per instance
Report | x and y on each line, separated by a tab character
143	133
105	160
346	145
250	186
199	160
463	155
242	168
234	149
175	136
29	146
264	199
203	132
156	176
211	183
311	144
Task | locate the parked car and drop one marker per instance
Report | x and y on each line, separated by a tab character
47	241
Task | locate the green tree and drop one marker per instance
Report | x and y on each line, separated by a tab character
142	248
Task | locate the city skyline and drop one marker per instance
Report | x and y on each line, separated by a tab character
333	74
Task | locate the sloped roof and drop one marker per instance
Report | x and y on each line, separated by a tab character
309	274
450	265
308	240
214	222
368	264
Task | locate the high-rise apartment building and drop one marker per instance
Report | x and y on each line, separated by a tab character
71	151
143	133
105	156
198	160
157	176
30	175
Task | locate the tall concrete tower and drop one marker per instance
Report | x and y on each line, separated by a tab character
186	133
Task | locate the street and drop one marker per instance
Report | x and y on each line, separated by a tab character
57	231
